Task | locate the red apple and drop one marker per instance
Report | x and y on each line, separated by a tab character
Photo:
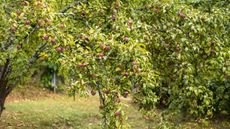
107	48
126	74
117	113
126	38
19	46
53	41
126	93
45	37
27	22
83	64
59	49
101	55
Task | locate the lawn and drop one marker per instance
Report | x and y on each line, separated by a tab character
61	112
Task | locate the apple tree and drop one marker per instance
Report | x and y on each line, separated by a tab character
29	30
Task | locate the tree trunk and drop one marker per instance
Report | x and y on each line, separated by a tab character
3	94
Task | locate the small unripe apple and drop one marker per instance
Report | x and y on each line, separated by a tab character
62	25
102	46
48	21
41	22
59	49
13	29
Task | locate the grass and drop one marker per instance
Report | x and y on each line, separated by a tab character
61	112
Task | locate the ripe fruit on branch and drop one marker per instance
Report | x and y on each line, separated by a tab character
126	74
126	38
18	12
126	93
117	113
83	64
41	22
113	17
181	15
59	49
107	48
53	41
45	37
93	92
134	63
101	55
13	29
25	3
130	23
48	21
27	22
106	91
102	46
62	25
19	46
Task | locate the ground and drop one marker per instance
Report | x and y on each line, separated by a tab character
44	110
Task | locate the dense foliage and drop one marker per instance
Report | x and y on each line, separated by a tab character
165	54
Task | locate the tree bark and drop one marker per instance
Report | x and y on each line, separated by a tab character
4	92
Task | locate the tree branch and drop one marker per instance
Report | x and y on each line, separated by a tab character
71	5
35	56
